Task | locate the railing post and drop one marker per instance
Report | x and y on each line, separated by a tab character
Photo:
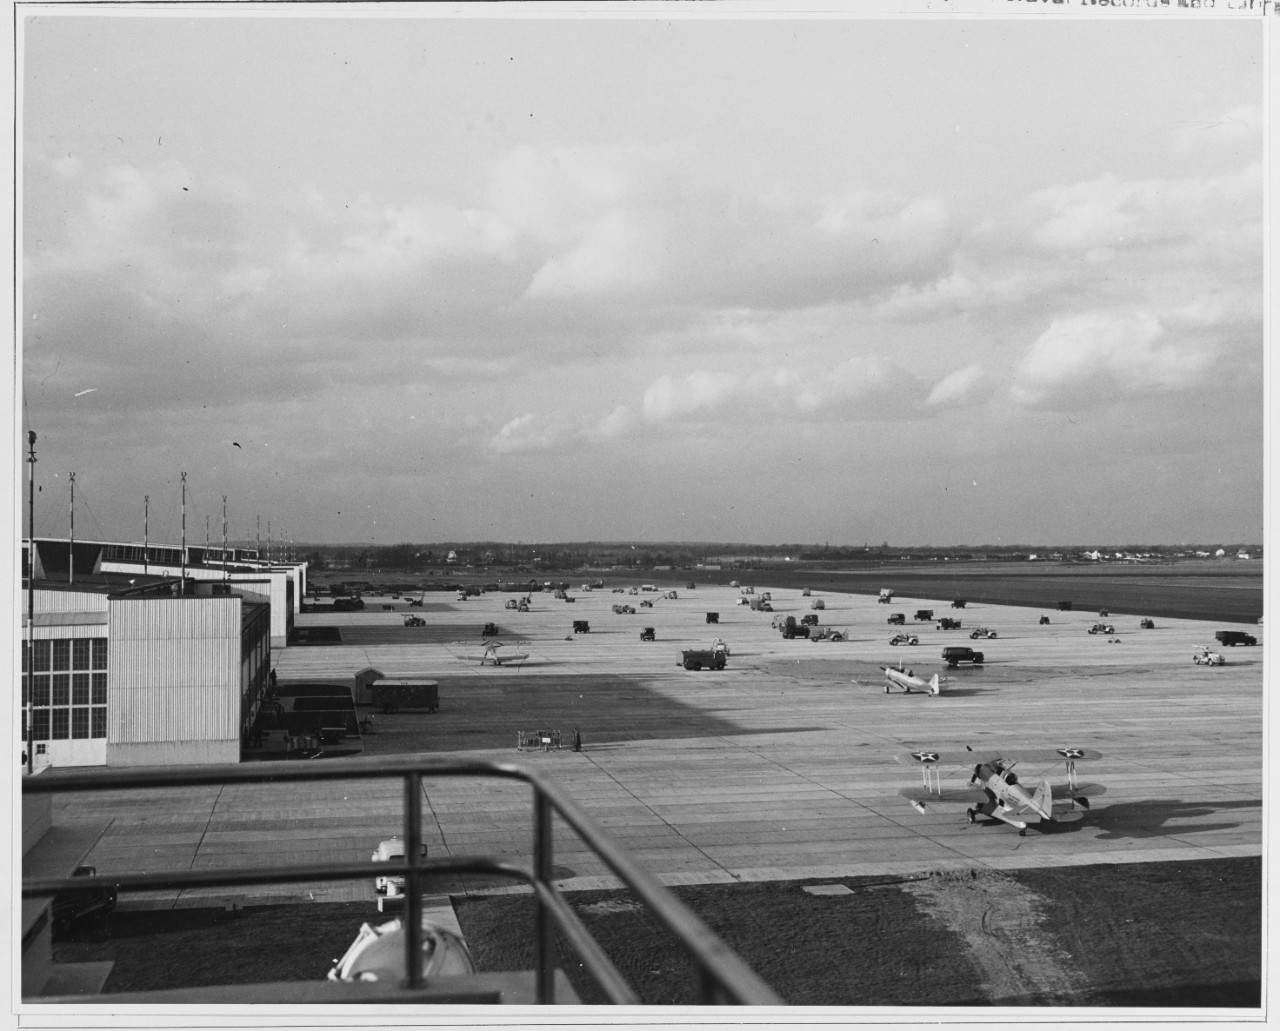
542	851
413	889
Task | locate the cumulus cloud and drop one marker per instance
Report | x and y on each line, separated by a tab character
1098	356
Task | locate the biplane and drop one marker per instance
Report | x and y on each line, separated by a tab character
996	791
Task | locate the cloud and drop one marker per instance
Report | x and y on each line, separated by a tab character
522	434
1089	359
958	388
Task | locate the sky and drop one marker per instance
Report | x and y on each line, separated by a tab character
660	276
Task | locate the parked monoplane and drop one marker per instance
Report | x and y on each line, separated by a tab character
906	680
995	791
497	654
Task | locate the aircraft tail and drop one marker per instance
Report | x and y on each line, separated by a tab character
935	685
1042	801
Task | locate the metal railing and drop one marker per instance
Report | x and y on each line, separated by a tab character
723	978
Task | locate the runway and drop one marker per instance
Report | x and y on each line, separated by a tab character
779	767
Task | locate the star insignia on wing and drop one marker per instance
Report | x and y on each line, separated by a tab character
925	757
1071	753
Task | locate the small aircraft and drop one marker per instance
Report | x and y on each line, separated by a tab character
900	676
495	654
995	790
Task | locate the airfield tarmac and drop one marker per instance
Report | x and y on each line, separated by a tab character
779	767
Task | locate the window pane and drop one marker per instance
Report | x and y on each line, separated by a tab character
41	695
62	689
62	654
60	724
80	653
99	722
99	688
99	653
42	655
40	724
79	688
79	722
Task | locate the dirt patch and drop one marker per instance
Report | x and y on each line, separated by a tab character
999	920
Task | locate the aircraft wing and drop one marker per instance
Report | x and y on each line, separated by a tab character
926	756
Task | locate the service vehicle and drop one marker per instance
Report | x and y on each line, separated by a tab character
647	634
791	629
886	596
1147	624
956	654
1044	620
1205	657
810	620
947	623
1231	638
924	615
1102	628
713	617
715	657
817	603
981	631
897	619
489	630
414	621
826	633
959	603
581	626
904	639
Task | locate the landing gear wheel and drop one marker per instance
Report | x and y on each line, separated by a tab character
970	813
1022	833
886	688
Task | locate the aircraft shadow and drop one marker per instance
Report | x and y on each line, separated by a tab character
1150	818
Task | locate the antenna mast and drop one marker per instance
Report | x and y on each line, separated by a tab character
71	568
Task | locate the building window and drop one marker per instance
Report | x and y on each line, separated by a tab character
60	702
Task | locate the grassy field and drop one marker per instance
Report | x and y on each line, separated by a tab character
1124	935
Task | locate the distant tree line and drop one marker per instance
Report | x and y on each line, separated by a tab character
533	557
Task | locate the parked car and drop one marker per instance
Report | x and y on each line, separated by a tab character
1044	620
581	626
392	849
903	639
947	623
78	907
956	654
897	619
1147	624
1102	628
647	634
810	620
981	631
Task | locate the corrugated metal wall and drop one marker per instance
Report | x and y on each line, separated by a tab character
67	601
174	671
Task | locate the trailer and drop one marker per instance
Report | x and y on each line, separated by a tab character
392	694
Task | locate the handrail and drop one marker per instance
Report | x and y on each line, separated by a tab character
723	976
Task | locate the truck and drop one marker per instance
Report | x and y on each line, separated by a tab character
715	657
925	615
947	623
1231	638
791	629
956	654
886	596
395	693
761	604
